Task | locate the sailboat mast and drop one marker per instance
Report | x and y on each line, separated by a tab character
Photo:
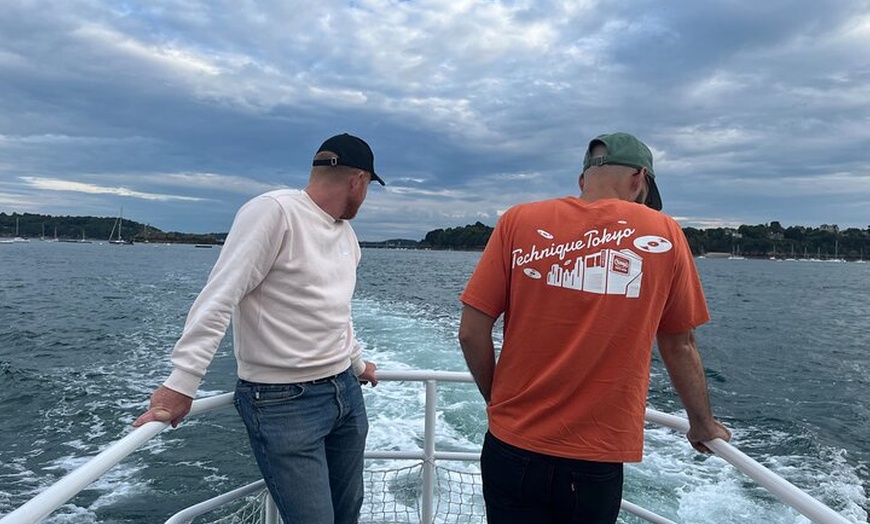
119	223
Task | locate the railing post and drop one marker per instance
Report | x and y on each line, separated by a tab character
427	511
270	510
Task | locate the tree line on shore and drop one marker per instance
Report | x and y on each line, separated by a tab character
762	240
29	225
827	241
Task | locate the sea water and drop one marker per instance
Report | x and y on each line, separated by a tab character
86	329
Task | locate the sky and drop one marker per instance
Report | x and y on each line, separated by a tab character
174	113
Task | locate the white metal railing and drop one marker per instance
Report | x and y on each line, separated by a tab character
784	490
60	492
69	486
187	515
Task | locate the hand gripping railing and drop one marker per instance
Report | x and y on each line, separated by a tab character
58	493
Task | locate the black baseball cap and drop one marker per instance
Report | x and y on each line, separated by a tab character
350	151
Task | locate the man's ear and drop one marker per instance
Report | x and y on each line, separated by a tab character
638	177
582	180
357	178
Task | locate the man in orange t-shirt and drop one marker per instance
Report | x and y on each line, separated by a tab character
585	286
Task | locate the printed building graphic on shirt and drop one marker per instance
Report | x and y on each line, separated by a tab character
608	272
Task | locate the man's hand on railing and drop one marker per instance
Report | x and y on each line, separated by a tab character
166	406
369	375
700	433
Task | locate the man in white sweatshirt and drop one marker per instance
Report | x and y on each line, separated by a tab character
285	277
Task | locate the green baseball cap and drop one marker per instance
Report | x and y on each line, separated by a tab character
624	149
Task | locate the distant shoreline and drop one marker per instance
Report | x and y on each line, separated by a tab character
826	242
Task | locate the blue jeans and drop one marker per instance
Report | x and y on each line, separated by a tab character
521	486
308	440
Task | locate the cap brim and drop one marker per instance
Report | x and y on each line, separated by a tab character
653	199
378	179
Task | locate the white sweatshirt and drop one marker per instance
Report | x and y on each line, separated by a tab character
285	276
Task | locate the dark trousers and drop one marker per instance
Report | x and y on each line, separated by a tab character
524	487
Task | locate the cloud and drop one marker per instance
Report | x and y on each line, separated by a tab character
181	111
48	184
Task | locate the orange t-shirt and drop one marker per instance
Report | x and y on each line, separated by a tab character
584	288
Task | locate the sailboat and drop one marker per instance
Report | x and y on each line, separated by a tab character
18	238
117	239
773	256
861	260
836	253
45	238
83	240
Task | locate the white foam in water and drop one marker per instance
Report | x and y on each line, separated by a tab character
20	477
396	409
683	485
71	514
414	339
117	487
117	484
673	480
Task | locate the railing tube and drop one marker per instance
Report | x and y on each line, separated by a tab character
778	486
66	488
187	515
69	486
270	511
427	511
783	489
644	513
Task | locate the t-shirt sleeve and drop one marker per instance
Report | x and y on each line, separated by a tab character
686	307
487	289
